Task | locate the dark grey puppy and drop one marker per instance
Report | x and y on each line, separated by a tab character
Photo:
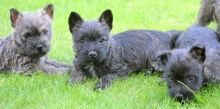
183	71
194	62
209	11
110	58
23	50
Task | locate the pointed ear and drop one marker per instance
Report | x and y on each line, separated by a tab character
198	53
164	57
14	16
49	9
106	18
74	21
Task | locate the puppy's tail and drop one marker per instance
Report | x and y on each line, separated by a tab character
174	34
206	12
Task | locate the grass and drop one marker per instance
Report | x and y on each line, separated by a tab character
137	92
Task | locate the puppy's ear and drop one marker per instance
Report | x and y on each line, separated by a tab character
49	9
164	57
15	15
198	53
106	18
74	21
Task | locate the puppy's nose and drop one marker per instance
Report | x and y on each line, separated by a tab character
179	97
92	54
39	47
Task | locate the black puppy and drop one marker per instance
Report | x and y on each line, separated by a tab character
194	62
110	58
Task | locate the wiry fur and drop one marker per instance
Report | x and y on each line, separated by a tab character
23	50
114	57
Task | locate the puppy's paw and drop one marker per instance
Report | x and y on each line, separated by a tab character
105	81
149	71
77	80
28	74
101	86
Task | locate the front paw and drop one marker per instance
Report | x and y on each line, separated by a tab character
101	86
149	71
27	73
76	80
105	81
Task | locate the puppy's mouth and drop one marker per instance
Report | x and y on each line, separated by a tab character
36	55
184	98
95	60
182	93
92	60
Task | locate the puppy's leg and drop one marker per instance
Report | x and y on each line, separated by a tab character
106	80
205	12
53	67
76	75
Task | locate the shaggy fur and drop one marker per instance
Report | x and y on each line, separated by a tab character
110	58
23	50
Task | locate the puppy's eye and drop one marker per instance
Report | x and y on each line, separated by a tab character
81	41
171	77
190	78
102	40
44	32
27	35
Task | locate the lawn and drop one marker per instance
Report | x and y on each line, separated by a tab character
41	91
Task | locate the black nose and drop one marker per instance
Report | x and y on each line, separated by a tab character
92	54
39	47
179	97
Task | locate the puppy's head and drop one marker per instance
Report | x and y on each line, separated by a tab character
183	71
91	38
32	31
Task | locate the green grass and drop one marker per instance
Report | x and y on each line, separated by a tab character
137	92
